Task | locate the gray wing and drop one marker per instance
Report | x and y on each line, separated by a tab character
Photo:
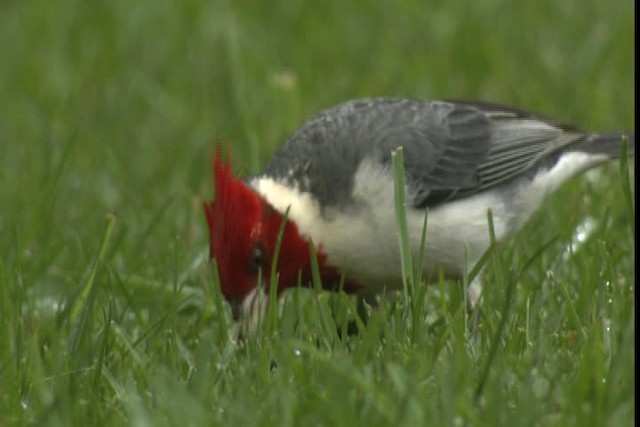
451	149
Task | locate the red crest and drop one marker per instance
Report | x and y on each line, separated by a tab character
234	228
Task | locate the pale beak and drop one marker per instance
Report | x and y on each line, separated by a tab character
251	311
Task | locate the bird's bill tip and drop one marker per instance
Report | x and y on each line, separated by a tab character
250	312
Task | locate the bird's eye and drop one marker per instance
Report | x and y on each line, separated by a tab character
257	258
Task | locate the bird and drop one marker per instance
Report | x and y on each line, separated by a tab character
328	193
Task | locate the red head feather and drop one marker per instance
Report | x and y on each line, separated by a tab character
234	227
241	224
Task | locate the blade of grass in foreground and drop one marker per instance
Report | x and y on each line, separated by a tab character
328	325
272	310
626	183
218	301
83	304
512	281
401	219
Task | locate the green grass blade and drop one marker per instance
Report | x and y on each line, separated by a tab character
323	310
82	306
419	265
477	268
272	311
401	220
506	309
626	181
218	301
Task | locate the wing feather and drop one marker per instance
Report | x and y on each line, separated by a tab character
452	149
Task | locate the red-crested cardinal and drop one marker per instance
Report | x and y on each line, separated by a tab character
333	179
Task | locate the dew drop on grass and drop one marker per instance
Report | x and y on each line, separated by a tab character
47	305
540	387
297	352
582	233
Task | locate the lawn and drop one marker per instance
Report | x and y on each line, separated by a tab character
109	310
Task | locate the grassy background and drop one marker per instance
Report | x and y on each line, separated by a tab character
112	107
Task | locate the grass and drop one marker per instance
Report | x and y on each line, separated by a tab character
109	310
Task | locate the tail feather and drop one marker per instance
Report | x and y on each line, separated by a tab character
608	143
